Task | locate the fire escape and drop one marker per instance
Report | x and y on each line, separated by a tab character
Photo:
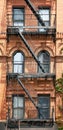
16	31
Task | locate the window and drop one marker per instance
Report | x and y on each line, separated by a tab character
44	59
44	110
18	107
18	17
18	62
45	15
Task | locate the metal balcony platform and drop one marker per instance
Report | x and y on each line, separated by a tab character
12	30
38	75
27	123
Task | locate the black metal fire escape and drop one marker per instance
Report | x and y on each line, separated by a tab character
35	12
28	2
30	50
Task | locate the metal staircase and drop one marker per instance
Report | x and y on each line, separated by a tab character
30	50
36	13
37	122
26	91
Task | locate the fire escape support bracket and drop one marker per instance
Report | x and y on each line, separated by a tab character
35	12
26	91
30	50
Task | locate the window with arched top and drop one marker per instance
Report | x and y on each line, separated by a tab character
44	59
18	62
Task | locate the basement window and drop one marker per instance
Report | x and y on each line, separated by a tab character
18	17
18	62
18	107
45	16
44	59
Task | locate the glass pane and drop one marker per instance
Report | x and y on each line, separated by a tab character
41	58
44	14
18	17
18	113
20	101
44	11
18	57
15	113
39	70
15	102
44	113
46	68
45	17
18	62
44	59
44	102
18	68
18	11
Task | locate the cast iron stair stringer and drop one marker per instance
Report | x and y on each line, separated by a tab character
31	99
26	91
35	12
30	50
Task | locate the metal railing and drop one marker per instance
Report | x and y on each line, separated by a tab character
28	70
30	23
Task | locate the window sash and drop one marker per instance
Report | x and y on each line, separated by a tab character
18	113
45	67
44	60
18	17
18	101
18	107
18	63
45	15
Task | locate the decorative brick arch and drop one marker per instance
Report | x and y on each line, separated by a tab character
18	49
45	48
60	50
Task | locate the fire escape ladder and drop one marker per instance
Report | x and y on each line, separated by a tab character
26	91
31	99
30	50
35	12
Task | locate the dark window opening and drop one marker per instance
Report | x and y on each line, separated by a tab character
44	103
44	59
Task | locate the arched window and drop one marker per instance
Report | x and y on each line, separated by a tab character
44	59
18	62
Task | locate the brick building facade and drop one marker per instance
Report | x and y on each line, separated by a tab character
31	58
